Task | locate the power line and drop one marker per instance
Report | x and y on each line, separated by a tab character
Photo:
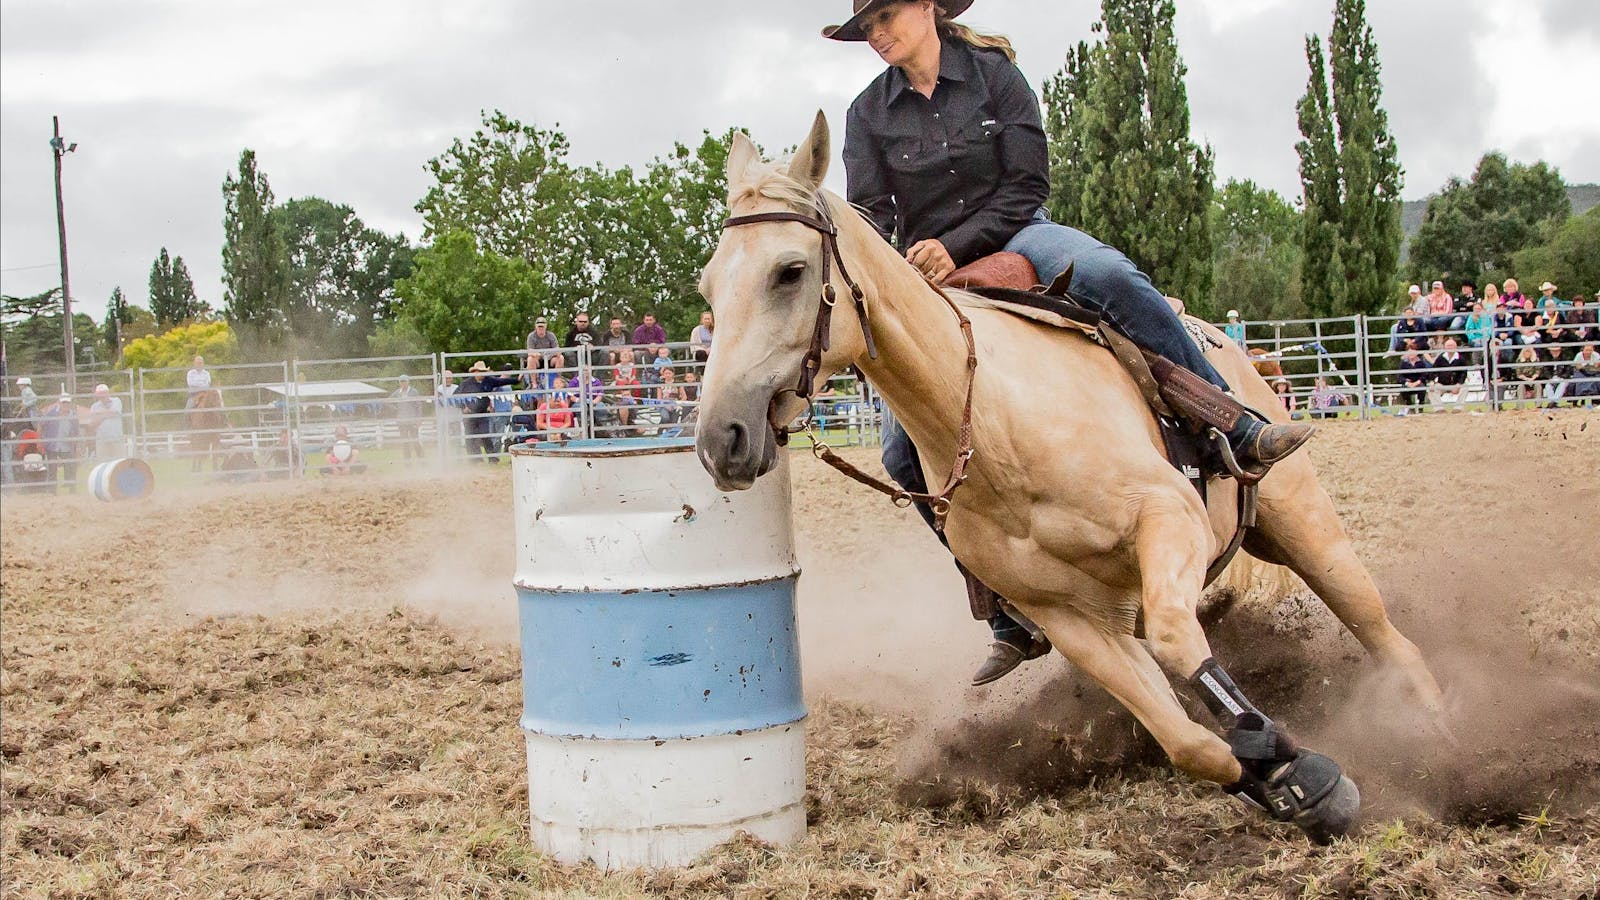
26	268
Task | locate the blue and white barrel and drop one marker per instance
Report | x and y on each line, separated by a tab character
122	479
660	661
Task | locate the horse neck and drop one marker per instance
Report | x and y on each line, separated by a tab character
921	365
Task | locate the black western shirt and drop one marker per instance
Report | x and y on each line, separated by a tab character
968	166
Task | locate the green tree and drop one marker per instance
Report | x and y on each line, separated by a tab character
1257	252
1145	186
176	347
116	317
1569	258
1472	228
255	260
172	295
1066	100
32	334
341	275
461	298
1352	185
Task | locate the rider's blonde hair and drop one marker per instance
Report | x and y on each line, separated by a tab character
956	31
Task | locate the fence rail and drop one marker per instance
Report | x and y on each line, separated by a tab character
294	418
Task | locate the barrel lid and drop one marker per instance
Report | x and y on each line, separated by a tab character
607	448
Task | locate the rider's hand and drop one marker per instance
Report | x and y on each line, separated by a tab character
932	259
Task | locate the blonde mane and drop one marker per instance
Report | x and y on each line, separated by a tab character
772	182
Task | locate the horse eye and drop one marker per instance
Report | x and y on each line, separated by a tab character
791	273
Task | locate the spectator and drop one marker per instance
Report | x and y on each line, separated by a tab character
30	467
1414	372
27	403
702	335
1548	296
1325	401
59	428
1291	404
449	413
1557	372
1417	303
105	422
342	458
614	340
625	390
1513	300
671	397
1491	297
1581	321
477	406
555	420
1235	329
284	460
407	405
199	380
582	337
1585	382
1449	372
553	369
691	387
649	332
540	340
1528	372
1441	306
1479	326
1410	333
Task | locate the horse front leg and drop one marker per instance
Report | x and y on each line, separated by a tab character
1290	783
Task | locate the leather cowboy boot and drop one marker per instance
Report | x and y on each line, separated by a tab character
1013	643
1253	443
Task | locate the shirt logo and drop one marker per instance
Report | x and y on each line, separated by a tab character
987	122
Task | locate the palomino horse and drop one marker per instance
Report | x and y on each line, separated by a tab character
1069	508
205	421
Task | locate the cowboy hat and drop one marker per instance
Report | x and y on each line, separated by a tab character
1547	286
479	366
851	30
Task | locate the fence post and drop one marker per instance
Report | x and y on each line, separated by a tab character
441	422
585	399
291	415
1363	369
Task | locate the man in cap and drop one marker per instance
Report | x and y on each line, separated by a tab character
59	429
105	422
1417	303
407	405
540	340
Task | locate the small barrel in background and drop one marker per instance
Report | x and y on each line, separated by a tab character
662	703
122	479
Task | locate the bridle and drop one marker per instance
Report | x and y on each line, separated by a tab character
811	364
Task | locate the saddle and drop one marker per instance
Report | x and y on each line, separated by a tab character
1009	283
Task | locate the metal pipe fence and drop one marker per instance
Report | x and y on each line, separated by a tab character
293	419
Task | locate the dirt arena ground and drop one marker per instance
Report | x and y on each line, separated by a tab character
312	691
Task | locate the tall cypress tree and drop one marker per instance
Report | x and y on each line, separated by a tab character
255	259
172	296
1321	278
1368	167
116	317
1121	109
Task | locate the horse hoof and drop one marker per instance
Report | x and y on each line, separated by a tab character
1334	815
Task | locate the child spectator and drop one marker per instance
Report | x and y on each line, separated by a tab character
555	420
342	457
1280	386
1324	400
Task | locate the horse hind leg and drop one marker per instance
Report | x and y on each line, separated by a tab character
1290	783
1297	527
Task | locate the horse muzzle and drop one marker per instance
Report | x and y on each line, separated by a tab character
736	443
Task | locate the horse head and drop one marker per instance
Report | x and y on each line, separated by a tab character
770	284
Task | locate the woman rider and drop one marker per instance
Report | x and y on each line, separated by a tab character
945	152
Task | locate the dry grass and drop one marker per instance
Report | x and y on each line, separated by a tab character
160	739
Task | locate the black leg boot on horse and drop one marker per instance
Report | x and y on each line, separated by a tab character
1288	783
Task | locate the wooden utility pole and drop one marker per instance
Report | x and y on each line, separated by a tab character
58	149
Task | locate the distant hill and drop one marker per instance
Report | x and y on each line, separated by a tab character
1583	196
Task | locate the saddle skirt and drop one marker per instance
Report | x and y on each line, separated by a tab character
1011	271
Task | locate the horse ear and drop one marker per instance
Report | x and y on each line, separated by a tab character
741	156
810	164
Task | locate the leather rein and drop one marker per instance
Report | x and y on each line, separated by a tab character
811	366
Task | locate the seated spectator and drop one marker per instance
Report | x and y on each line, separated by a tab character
702	336
1558	369
670	396
1410	333
1547	296
1528	371
625	390
1585	383
1581	321
342	457
1414	375
1441	307
522	427
555	419
30	468
1291	404
691	386
1449	375
649	333
1325	401
554	369
1479	326
1416	302
284	460
611	344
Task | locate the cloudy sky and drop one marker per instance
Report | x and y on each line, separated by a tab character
347	99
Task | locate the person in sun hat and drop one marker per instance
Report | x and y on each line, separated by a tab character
476	403
945	153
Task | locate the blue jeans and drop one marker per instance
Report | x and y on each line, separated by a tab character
1108	281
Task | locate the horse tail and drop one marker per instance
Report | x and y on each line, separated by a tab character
1246	578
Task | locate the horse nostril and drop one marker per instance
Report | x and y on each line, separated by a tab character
739	443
